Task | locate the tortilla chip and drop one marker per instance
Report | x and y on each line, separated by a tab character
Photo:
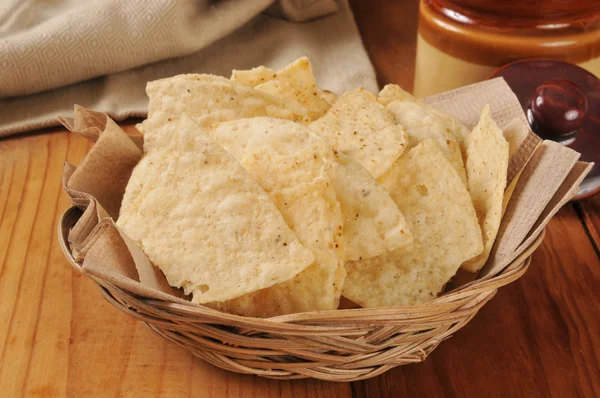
421	124
295	176
360	127
393	92
329	96
312	211
207	99
205	222
295	84
453	126
140	127
441	216
254	76
372	222
487	166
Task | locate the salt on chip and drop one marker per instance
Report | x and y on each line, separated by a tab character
361	128
487	166
453	126
372	223
207	99
420	123
295	84
205	222
295	176
441	216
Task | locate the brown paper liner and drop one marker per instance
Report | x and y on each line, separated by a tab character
97	186
542	177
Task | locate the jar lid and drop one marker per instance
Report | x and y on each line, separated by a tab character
562	103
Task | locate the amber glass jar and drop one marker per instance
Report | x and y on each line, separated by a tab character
464	41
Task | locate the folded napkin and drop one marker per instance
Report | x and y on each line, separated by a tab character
101	53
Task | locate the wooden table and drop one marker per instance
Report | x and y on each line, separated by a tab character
540	336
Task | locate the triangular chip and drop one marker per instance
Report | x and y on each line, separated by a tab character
207	99
392	92
372	222
295	84
453	126
487	165
360	127
295	176
421	124
254	76
312	211
329	96
205	222
441	216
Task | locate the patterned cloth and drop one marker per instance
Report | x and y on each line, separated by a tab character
46	47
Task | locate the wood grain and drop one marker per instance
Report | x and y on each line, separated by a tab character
589	211
58	337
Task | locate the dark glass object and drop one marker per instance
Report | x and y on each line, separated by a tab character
562	103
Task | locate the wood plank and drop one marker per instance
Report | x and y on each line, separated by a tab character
17	269
589	211
58	336
537	337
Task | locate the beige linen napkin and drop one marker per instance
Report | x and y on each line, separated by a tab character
111	48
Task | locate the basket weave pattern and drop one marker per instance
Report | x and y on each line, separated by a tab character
341	345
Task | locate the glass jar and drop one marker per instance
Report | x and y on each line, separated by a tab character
463	41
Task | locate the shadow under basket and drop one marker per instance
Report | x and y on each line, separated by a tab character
340	345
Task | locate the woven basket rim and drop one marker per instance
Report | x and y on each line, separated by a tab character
446	301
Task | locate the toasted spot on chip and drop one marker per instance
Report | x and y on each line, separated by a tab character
329	96
444	227
487	165
205	222
298	94
360	127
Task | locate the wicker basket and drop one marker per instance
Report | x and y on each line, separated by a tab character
341	345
